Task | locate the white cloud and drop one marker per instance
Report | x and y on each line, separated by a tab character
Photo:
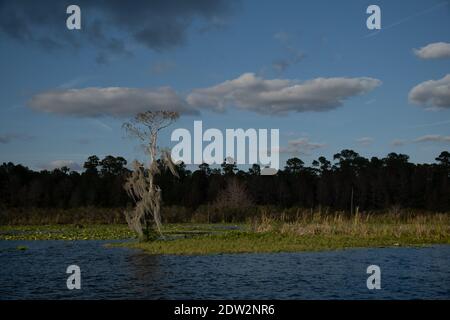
57	164
437	50
247	92
301	146
365	141
435	94
113	101
278	96
433	138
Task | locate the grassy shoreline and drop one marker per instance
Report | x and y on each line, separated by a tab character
313	232
272	243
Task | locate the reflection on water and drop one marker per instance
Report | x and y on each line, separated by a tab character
120	273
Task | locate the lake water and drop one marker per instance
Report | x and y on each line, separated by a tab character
121	273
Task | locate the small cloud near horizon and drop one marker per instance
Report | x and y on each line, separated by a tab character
58	164
432	138
301	146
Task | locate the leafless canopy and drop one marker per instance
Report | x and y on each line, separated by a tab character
235	195
147	123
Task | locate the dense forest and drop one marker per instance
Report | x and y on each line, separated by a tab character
349	182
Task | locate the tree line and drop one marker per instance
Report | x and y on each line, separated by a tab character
347	182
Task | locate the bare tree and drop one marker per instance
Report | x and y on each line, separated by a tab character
234	196
145	219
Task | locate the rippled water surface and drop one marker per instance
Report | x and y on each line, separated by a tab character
120	273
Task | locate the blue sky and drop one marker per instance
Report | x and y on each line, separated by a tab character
297	41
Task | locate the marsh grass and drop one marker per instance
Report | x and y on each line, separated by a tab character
436	226
314	231
271	231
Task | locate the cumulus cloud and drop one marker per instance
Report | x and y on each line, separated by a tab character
112	101
247	92
112	26
278	96
365	141
434	94
437	50
301	146
433	138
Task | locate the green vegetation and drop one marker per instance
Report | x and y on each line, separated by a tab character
313	233
237	242
98	232
55	216
306	232
65	232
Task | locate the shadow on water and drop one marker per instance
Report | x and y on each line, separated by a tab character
146	273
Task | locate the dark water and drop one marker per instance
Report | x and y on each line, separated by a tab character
120	273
